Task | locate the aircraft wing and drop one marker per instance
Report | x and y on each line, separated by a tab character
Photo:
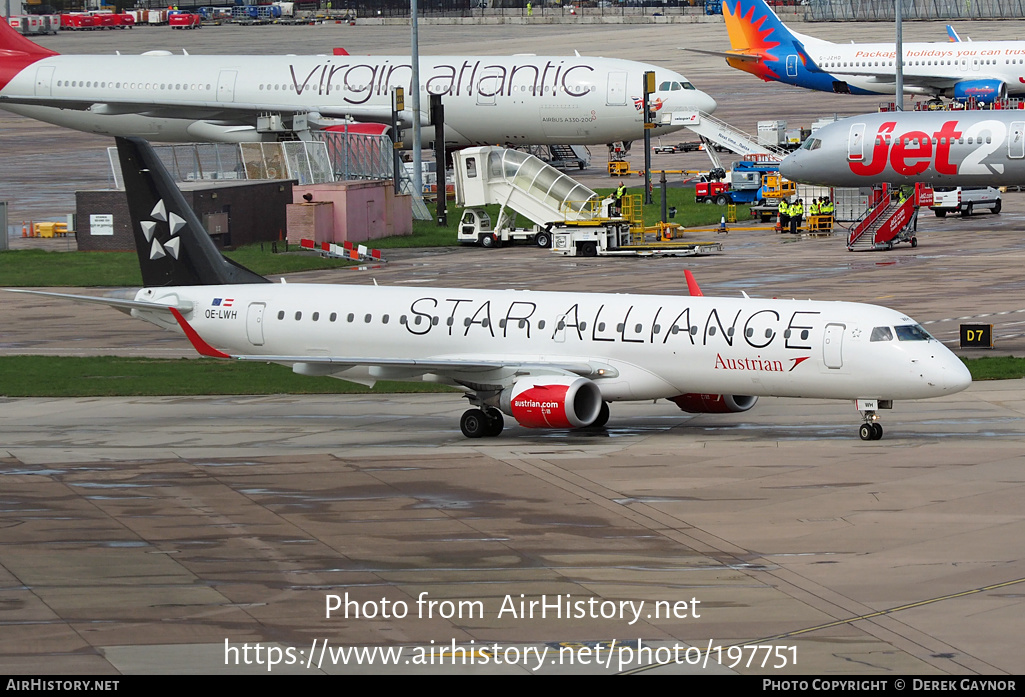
240	113
926	82
496	371
464	368
120	303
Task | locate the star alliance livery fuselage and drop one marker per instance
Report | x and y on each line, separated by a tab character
548	360
765	47
957	148
515	100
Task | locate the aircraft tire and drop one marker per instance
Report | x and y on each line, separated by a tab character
865	431
877	431
496	422
474	423
603	416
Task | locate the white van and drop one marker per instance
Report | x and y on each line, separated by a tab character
964	199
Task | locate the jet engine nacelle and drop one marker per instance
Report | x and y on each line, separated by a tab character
984	91
552	402
713	403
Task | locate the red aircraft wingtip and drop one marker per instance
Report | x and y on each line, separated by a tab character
692	284
203	348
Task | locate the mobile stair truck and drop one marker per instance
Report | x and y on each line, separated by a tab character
568	217
888	221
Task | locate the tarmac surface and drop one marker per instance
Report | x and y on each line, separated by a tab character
177	535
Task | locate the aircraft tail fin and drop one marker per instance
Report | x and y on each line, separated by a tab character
756	32
13	42
173	247
17	52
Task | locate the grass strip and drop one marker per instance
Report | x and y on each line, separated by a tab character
113	376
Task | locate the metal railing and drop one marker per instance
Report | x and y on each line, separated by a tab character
883	10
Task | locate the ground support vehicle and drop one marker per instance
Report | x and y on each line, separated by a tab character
575	217
965	200
618	238
475	228
756	182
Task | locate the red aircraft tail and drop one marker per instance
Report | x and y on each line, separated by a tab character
16	52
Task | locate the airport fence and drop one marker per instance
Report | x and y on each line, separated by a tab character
883	10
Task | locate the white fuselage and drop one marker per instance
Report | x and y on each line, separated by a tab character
653	346
512	100
942	63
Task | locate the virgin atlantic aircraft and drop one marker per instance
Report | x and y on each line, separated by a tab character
513	100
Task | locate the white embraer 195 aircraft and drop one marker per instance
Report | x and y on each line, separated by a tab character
548	360
513	100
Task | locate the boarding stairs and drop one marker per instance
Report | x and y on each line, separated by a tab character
522	182
884	225
717	132
568	156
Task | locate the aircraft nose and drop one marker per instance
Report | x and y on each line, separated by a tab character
949	374
958	377
790	167
705	103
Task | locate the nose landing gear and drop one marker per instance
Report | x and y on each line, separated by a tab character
871	429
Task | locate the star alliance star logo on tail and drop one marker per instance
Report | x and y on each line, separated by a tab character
149	229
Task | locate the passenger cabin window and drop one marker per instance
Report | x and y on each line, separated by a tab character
911	332
881	334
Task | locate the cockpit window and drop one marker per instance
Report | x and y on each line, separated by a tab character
912	332
881	334
812	144
688	86
674	86
665	87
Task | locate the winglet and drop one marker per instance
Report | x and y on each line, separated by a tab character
692	284
203	348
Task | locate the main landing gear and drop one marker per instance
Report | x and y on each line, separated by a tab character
478	423
487	421
871	429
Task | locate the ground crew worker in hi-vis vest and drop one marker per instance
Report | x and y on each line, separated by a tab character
620	193
796	214
784	214
813	209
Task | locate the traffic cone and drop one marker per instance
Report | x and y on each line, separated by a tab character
24	229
